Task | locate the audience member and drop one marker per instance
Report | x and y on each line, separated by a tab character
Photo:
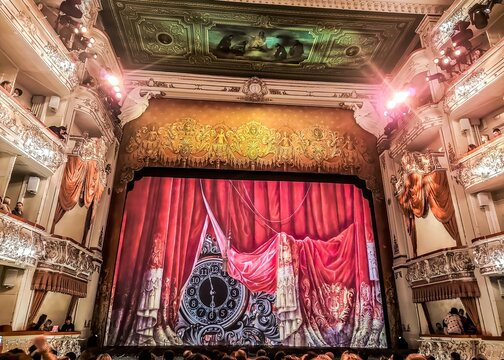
454	356
439	329
261	352
18	210
104	356
471	147
496	132
144	355
7	85
168	355
71	356
6	205
47	325
68	325
59	131
240	354
186	354
468	325
485	139
430	357
17	92
40	323
453	323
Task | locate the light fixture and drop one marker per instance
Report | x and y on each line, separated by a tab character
436	60
117	89
437	76
113	80
461	36
118	95
479	15
69	7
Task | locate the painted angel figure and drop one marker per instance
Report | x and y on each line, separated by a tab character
135	104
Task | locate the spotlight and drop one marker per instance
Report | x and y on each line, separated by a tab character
114	81
442	52
69	7
437	76
436	60
118	95
479	15
458	52
83	29
446	61
92	40
117	89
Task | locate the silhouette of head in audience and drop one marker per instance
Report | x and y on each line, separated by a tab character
7	85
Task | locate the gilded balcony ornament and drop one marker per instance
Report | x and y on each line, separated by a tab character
66	67
447	27
93	149
18	244
441	348
439	267
486	164
252	145
489	255
414	162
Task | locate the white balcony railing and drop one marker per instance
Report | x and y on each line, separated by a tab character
22	131
34	29
485	72
440	266
483	168
488	253
26	244
468	347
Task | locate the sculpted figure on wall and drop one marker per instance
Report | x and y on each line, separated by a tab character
135	104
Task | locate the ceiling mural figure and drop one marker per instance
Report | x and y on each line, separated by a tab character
234	39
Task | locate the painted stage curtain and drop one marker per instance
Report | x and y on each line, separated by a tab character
311	244
424	192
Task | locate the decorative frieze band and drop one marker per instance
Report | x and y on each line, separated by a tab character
26	245
488	254
22	130
468	348
485	164
39	35
440	266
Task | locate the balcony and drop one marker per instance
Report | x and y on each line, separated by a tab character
27	35
63	342
418	130
441	346
473	94
23	134
482	168
27	244
488	254
440	266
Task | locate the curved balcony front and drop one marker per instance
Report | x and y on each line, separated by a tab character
22	134
488	252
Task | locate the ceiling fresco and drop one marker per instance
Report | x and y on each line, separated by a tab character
235	39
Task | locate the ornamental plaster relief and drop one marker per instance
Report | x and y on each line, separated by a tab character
22	130
39	36
425	7
489	255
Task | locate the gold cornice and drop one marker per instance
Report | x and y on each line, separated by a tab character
188	143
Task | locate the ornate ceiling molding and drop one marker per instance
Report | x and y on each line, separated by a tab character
28	135
357	97
26	18
412	7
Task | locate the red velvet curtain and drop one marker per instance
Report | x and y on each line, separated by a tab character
322	232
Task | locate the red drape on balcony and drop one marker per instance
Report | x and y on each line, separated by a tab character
81	180
317	236
424	192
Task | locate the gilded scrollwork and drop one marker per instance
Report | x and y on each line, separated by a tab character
414	162
441	348
488	254
252	145
26	134
450	264
18	244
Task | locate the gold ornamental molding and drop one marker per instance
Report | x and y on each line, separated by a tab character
250	146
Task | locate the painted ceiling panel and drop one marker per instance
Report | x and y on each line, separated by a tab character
216	38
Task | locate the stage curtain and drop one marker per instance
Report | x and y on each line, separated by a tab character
449	290
312	239
57	282
37	300
472	311
440	201
81	179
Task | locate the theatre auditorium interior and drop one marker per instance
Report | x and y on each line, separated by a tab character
251	179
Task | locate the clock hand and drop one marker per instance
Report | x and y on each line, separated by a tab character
212	294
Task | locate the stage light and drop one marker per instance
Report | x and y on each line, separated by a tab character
446	61
442	52
436	60
479	15
92	40
437	76
117	89
83	29
114	81
118	95
458	52
391	104
69	7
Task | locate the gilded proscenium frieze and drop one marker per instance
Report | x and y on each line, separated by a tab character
488	254
38	35
235	39
252	146
485	164
441	266
22	130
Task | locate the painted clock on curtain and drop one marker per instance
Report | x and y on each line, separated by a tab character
212	297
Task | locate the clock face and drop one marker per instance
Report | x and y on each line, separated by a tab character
212	296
